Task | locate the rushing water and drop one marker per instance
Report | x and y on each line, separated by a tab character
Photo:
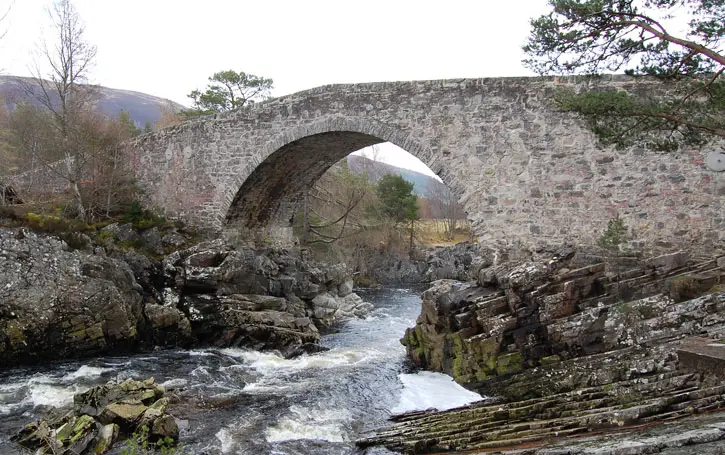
235	401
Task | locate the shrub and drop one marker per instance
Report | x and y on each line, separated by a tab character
142	218
614	235
54	224
684	288
138	444
133	213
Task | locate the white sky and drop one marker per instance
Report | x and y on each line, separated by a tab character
167	48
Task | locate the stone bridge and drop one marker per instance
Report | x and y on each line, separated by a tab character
523	171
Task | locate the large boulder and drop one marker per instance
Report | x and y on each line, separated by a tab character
266	299
56	302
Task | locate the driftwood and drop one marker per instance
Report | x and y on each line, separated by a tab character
8	195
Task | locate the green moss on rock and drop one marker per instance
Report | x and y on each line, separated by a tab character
549	360
509	363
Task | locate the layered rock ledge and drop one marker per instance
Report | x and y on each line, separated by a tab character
564	346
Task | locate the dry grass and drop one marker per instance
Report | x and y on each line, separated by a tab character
432	233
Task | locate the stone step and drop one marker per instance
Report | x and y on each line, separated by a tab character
702	354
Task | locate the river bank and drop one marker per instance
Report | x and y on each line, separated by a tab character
59	301
241	401
568	345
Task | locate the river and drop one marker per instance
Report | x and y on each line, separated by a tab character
236	401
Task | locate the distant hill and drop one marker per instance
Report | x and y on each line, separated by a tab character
424	184
148	108
142	107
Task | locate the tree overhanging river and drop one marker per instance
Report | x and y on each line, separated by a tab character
233	401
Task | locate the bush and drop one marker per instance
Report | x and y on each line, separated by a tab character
614	235
139	444
684	288
54	224
142	218
133	213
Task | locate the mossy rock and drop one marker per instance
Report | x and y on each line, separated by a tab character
106	437
81	427
15	334
549	360
509	363
125	415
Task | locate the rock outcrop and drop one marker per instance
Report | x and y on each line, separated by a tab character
101	416
564	346
267	299
59	302
56	302
460	262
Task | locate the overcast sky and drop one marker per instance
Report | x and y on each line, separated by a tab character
169	47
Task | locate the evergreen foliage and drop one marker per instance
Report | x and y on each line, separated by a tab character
638	37
229	90
614	235
397	200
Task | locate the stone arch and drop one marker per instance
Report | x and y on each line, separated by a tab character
256	208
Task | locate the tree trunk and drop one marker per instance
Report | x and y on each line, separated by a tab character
80	210
412	230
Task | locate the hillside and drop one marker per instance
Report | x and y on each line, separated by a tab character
424	184
142	107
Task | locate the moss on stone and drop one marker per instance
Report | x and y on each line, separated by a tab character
509	363
15	334
485	354
95	331
482	376
549	360
81	427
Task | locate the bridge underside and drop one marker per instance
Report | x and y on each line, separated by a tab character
268	196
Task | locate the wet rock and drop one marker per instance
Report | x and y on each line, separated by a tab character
57	303
168	326
267	299
567	347
345	287
164	427
307	348
101	416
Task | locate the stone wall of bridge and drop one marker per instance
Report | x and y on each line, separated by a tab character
524	172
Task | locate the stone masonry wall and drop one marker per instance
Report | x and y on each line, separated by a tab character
523	171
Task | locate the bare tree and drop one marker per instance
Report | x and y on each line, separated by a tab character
62	82
4	18
445	207
370	165
334	207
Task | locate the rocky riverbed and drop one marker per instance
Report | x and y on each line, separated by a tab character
102	415
564	346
